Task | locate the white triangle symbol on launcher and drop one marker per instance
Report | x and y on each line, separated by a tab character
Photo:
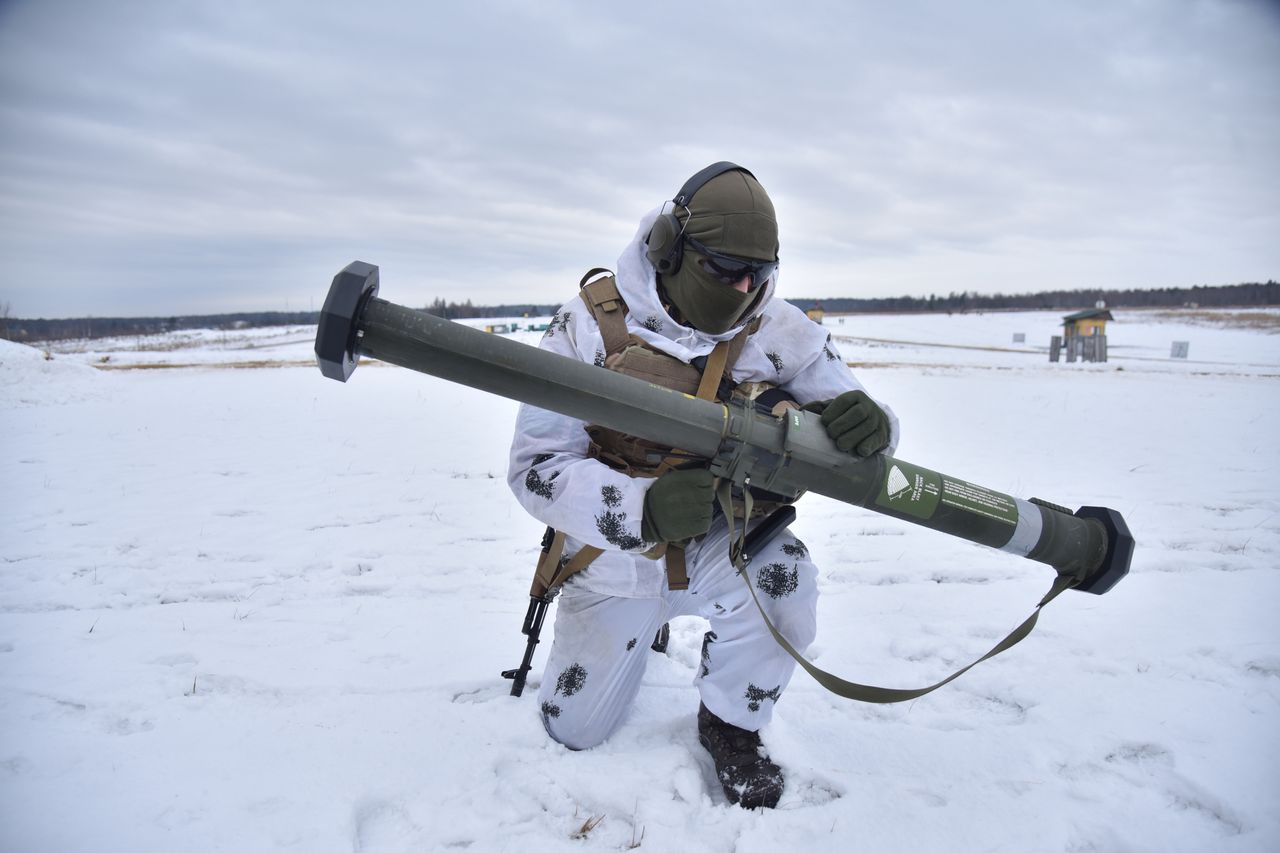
897	482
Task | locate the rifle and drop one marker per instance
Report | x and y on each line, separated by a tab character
539	598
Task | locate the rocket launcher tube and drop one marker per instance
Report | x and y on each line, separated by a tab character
540	378
787	455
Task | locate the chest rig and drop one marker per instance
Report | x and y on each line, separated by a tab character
708	378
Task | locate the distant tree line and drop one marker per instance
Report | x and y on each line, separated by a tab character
467	311
112	327
1206	296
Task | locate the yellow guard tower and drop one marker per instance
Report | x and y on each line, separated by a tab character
1086	323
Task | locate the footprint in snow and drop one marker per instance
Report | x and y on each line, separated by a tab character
1151	767
488	693
689	784
801	793
1141	754
928	798
126	725
382	826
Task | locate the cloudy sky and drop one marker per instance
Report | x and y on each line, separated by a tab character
181	157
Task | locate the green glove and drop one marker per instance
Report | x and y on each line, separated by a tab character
678	506
855	423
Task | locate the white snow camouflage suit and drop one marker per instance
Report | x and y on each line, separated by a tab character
608	614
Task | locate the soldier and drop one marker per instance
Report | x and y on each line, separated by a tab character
692	307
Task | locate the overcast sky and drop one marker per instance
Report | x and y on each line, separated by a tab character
181	158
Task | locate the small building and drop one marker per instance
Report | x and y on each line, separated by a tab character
1087	323
815	314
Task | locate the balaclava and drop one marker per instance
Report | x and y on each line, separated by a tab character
731	214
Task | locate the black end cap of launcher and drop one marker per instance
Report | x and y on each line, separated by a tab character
1115	564
337	351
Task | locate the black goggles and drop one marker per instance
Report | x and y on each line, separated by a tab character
729	270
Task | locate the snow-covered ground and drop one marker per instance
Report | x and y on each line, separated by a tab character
252	609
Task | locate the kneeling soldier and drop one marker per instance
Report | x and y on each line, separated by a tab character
691	308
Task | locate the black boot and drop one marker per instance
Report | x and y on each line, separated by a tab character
749	778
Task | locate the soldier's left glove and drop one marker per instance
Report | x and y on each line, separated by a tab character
855	423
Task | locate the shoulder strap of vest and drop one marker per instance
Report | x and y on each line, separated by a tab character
739	341
717	366
608	307
722	359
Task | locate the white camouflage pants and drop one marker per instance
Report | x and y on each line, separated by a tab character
601	643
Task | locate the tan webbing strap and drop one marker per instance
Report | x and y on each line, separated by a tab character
607	306
579	561
548	563
739	341
721	360
594	271
866	692
716	361
677	568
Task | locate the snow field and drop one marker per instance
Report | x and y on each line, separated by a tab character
257	610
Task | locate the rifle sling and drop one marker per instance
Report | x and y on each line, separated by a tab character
548	563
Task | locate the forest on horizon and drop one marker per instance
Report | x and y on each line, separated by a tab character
1249	295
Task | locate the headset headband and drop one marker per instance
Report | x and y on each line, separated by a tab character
695	183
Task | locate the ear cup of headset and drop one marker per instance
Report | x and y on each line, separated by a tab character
666	248
664	244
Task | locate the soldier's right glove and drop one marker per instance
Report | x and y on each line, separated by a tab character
678	506
855	423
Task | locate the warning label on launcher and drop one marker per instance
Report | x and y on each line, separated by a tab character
917	491
910	489
978	500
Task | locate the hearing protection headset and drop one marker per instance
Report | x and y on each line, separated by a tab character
666	248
